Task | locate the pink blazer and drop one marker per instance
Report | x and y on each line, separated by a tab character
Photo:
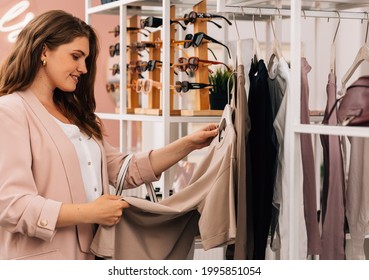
39	170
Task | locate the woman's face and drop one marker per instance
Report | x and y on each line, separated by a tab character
66	64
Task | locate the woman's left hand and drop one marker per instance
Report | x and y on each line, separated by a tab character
204	136
165	157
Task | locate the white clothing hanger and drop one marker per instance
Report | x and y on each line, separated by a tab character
333	47
302	43
276	48
256	46
363	54
239	55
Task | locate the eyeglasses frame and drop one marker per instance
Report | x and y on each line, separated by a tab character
195	40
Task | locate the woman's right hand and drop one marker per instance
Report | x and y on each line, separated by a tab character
108	209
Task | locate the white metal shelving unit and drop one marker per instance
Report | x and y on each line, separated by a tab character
295	9
148	8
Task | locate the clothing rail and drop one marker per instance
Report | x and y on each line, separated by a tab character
265	13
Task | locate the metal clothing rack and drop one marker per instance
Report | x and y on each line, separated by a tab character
265	13
260	11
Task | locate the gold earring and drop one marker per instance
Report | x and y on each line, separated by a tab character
44	62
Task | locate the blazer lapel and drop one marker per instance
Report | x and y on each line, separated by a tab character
63	144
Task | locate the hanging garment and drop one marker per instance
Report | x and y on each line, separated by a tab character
166	230
277	88
243	247
282	187
307	155
262	155
333	209
357	197
242	127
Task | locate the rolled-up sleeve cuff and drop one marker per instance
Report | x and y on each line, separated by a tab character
143	164
46	223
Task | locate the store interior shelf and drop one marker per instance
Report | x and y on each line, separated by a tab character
146	7
306	4
110	8
332	130
264	13
149	118
108	116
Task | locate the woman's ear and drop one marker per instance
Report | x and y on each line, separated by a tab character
44	52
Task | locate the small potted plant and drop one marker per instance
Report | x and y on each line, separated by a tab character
219	93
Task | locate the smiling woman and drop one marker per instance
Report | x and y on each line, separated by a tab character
56	168
65	63
50	44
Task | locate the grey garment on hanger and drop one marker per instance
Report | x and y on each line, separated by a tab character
307	154
357	197
166	230
242	127
277	88
283	127
333	208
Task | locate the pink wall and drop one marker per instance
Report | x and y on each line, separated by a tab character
102	24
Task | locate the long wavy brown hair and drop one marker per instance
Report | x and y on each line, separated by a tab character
55	28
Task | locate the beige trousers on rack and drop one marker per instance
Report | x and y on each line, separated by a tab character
166	230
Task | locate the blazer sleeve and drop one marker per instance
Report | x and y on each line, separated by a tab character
139	172
22	209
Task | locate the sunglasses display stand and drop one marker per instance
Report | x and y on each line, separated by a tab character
173	112
202	105
132	95
154	54
154	107
153	104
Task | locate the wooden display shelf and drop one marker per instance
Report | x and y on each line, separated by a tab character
130	110
191	113
155	112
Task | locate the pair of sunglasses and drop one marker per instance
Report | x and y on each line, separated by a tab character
153	64
185	86
145	85
136	47
138	66
196	39
192	63
114	49
192	16
115	70
141	46
116	30
111	87
142	66
156	22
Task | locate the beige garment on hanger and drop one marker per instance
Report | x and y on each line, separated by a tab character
166	230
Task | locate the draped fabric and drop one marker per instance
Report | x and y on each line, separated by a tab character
281	198
262	155
277	88
307	155
242	127
333	208
357	197
166	230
